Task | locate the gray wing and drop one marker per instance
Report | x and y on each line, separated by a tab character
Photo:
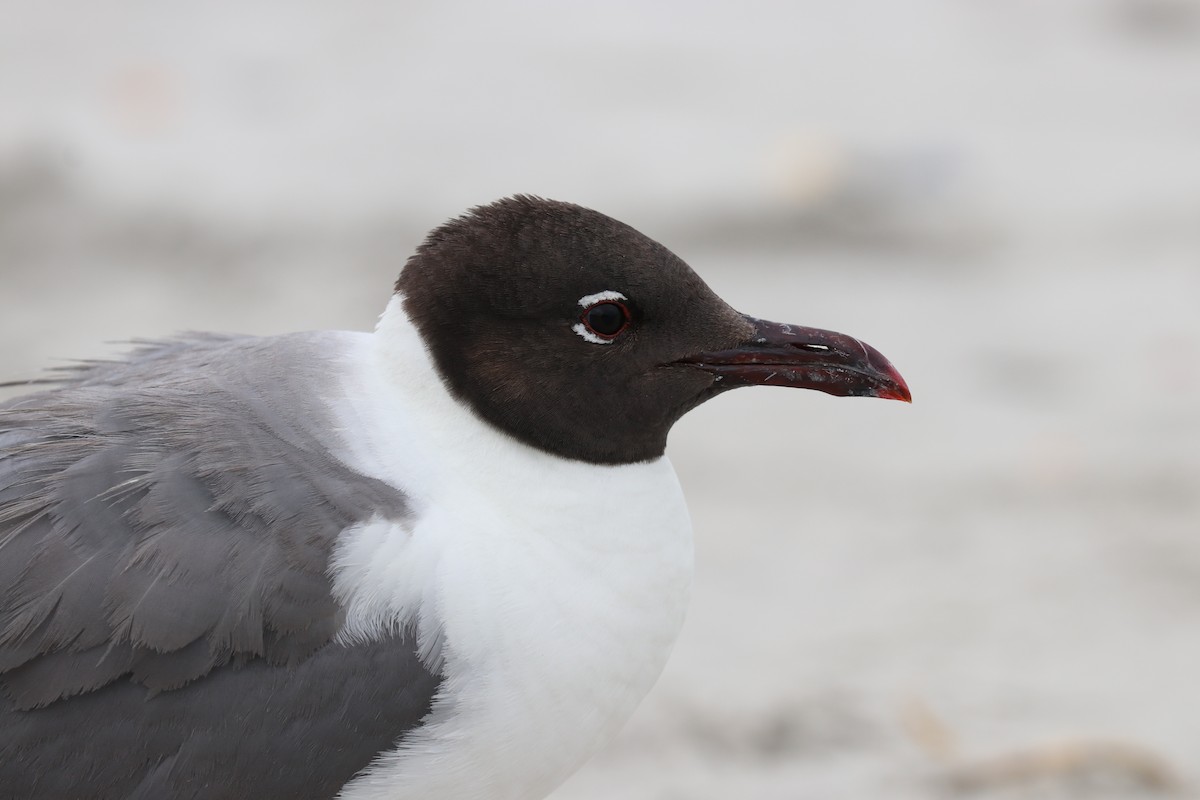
166	525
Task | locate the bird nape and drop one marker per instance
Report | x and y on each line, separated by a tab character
371	565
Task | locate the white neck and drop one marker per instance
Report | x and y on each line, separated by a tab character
553	589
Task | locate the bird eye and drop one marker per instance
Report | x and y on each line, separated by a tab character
606	319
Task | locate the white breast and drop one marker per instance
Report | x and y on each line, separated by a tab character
553	590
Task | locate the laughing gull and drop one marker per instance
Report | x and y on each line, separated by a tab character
444	560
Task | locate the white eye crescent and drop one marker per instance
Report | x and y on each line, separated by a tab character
605	316
589	300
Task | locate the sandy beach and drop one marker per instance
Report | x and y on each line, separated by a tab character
994	592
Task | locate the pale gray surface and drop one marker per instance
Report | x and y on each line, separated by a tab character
1001	196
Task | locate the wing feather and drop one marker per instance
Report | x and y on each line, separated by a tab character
168	514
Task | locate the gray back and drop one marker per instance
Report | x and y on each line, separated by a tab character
166	613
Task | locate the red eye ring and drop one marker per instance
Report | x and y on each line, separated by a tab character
607	319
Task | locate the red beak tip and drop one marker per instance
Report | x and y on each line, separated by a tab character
898	392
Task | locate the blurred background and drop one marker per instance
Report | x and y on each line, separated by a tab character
992	593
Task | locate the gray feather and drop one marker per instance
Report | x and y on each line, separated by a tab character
166	524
